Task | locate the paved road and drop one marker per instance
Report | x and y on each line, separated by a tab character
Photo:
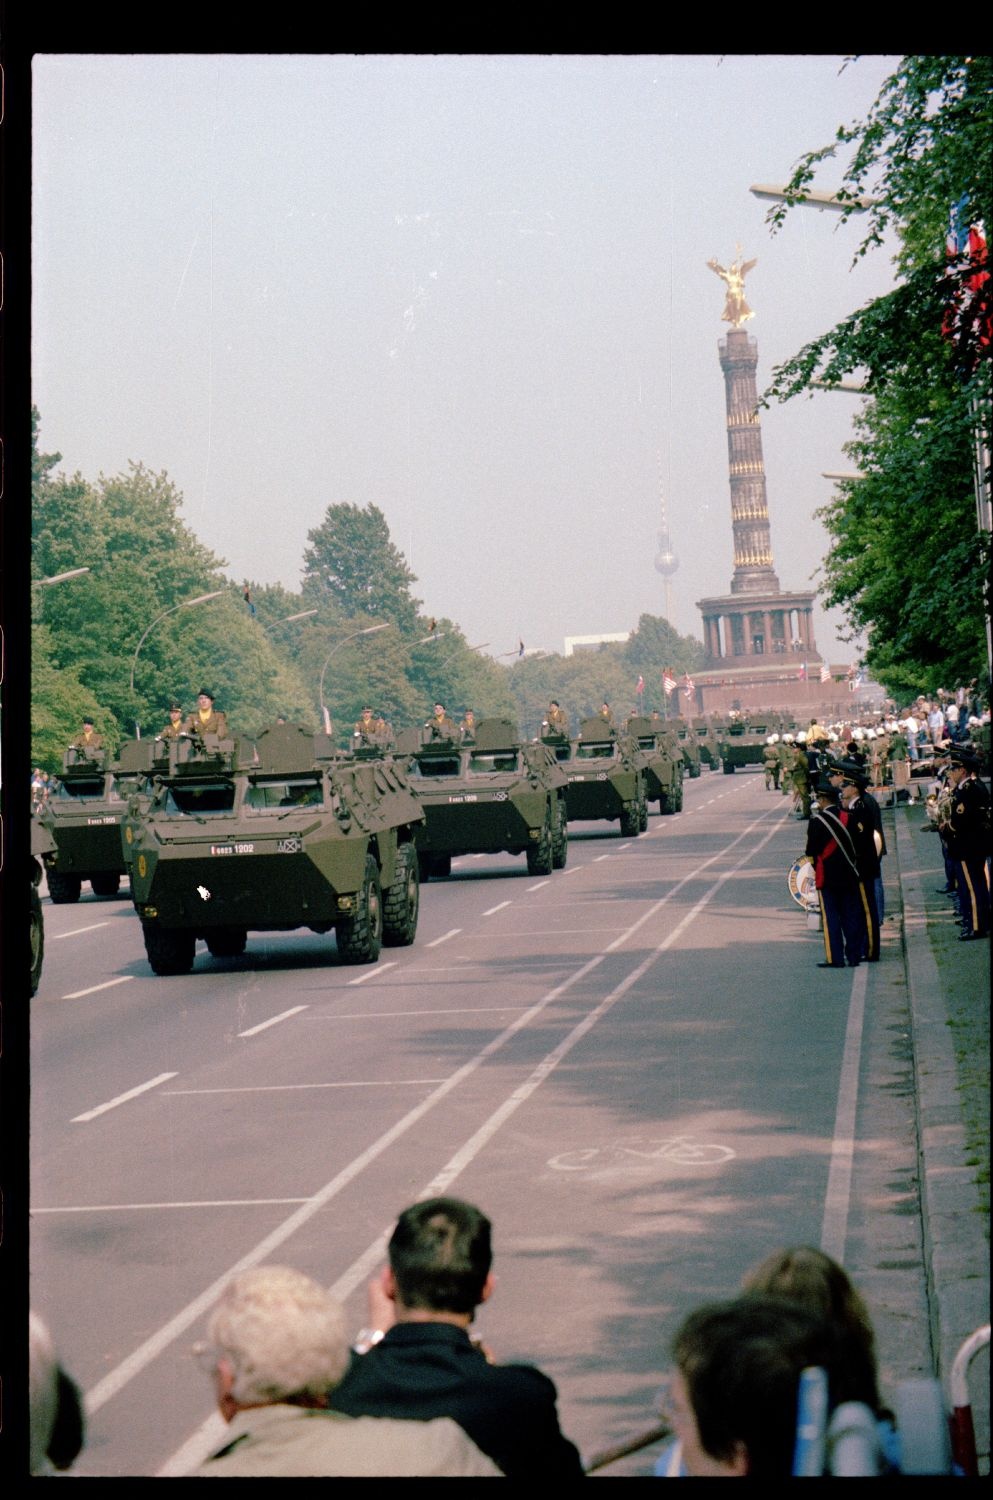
633	1066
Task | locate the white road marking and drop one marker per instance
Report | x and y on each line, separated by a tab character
834	1228
108	1208
373	971
444	937
59	937
142	1088
599	857
539	886
107	985
573	870
272	1021
496	908
622	846
115	1380
463	1010
291	1088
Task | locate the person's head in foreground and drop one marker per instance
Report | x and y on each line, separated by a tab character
440	1255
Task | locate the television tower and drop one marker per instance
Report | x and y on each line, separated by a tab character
666	561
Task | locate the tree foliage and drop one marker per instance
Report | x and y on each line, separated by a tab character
352	562
906	562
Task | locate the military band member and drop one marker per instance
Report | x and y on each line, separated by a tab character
844	913
859	825
87	739
207	719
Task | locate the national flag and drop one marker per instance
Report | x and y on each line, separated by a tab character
688	685
520	648
248	600
802	674
967	320
640	685
825	672
668	681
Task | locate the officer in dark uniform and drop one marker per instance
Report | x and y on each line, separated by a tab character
859	825
968	837
839	889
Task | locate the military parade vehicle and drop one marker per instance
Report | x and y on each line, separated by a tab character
42	843
604	774
493	794
744	740
83	815
688	744
706	738
661	763
271	835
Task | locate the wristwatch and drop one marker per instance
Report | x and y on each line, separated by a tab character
367	1339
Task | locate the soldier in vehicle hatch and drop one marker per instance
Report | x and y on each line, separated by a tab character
365	727
440	726
556	719
87	738
207	719
467	728
174	728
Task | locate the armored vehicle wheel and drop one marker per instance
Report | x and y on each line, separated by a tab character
629	823
226	942
360	936
401	900
168	952
560	838
727	768
667	804
695	770
63	888
642	817
37	934
107	883
679	796
540	854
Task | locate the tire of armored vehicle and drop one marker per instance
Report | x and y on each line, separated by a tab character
743	744
236	836
42	843
661	764
495	794
83	816
604	776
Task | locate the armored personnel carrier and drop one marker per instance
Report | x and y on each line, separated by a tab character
268	836
743	742
661	764
42	843
604	774
495	794
688	744
83	816
706	738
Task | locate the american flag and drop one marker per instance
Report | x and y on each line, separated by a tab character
967	320
668	681
825	672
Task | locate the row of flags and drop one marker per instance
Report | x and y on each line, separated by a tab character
825	673
669	683
967	321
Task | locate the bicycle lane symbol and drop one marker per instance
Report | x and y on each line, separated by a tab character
682	1150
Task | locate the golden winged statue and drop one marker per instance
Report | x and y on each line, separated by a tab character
736	309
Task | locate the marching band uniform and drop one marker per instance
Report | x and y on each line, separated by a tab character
844	907
968	843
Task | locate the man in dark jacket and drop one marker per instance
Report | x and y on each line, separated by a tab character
968	837
847	935
420	1362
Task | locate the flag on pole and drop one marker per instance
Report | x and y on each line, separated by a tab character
520	648
967	319
688	685
825	672
802	674
248	600
668	681
640	685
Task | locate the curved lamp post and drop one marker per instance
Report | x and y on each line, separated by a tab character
60	577
369	630
185	604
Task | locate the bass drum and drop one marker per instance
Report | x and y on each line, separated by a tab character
801	884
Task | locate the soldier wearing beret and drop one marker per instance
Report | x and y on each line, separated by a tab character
87	739
207	719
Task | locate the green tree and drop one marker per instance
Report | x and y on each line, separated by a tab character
906	563
352	561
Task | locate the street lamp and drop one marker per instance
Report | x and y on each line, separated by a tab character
778	194
303	615
369	630
184	604
60	577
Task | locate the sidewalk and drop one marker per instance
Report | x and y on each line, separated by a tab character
948	985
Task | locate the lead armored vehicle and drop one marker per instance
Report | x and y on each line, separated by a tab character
604	775
83	816
494	795
268	836
744	742
661	764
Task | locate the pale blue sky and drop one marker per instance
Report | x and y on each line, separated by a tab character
470	289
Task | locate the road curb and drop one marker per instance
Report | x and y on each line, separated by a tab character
956	1254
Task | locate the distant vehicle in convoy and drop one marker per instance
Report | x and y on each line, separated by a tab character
706	738
83	815
268	836
42	843
605	778
494	795
743	742
661	763
688	744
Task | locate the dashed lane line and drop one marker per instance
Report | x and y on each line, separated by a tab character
373	973
108	984
60	937
444	937
101	1109
272	1021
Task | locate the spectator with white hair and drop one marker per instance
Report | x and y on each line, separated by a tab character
276	1348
